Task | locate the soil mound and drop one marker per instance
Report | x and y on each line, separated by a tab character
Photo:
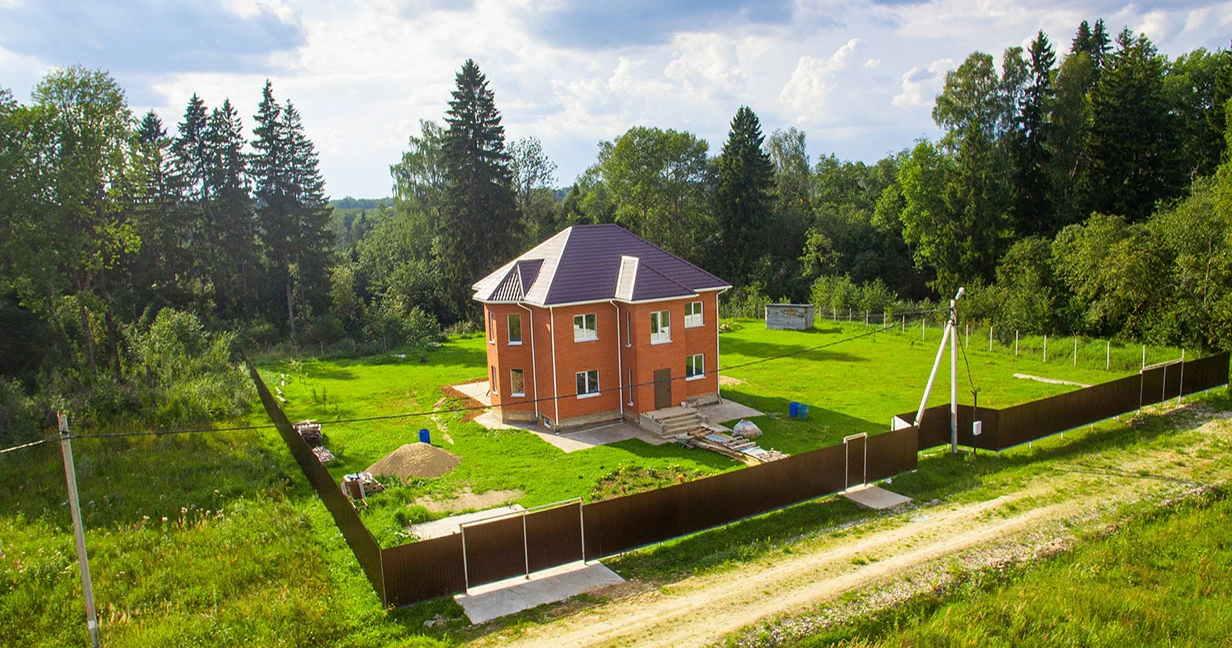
415	460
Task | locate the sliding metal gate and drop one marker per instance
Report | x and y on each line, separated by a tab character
522	542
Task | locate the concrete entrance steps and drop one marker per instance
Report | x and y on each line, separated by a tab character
672	421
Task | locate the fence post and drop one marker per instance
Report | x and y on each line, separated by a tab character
990	337
1045	349
865	319
922	325
1107	355
1075	350
1180	389
904	323
1015	343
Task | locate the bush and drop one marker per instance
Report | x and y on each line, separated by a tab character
324	328
19	420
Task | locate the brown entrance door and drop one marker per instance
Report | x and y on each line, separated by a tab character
663	388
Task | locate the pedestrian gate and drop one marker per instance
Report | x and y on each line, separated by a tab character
856	452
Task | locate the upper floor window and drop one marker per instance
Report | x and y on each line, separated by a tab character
491	328
693	314
515	328
660	327
628	329
584	328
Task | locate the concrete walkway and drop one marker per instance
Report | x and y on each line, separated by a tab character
506	597
451	525
477	391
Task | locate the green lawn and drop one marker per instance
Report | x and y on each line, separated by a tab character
852	386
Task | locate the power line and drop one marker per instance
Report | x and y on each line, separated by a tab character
25	445
454	410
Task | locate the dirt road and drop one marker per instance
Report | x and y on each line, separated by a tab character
702	609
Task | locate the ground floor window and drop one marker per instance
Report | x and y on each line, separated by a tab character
517	382
695	367
587	383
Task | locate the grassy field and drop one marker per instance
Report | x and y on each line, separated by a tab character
851	386
248	555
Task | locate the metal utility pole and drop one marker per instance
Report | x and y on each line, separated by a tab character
70	476
949	334
954	371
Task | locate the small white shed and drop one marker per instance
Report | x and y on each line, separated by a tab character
796	317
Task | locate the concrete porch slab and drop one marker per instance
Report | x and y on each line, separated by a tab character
876	498
727	411
506	597
477	391
574	440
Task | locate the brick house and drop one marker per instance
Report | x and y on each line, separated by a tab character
596	324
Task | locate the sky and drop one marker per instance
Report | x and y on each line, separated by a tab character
859	78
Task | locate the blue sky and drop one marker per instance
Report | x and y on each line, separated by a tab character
858	77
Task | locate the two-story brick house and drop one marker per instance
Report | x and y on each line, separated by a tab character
597	323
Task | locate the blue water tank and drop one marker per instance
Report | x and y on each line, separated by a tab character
802	411
793	410
425	436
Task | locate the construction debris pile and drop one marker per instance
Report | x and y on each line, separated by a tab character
736	445
310	431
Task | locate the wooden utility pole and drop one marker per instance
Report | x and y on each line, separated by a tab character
70	476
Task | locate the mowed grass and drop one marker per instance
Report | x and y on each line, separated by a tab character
858	385
851	386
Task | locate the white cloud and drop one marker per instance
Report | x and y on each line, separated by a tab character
807	95
920	87
369	70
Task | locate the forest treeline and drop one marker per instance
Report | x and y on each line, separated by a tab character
1085	191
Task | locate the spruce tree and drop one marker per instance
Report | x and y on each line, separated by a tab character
272	193
232	208
480	222
1083	43
1032	199
745	177
1132	142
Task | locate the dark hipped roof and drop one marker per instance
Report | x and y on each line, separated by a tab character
586	263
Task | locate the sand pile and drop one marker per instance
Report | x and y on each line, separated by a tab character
415	460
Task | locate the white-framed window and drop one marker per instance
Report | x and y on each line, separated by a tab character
584	328
695	367
492	382
491	328
693	314
660	327
630	386
628	329
517	382
515	328
588	383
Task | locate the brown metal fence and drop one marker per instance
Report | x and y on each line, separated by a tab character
537	540
1037	419
357	536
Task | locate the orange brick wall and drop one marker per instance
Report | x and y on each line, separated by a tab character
641	357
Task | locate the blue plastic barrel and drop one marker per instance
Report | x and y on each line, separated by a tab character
793	410
425	436
802	411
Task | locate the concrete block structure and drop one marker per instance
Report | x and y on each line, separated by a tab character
598	324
